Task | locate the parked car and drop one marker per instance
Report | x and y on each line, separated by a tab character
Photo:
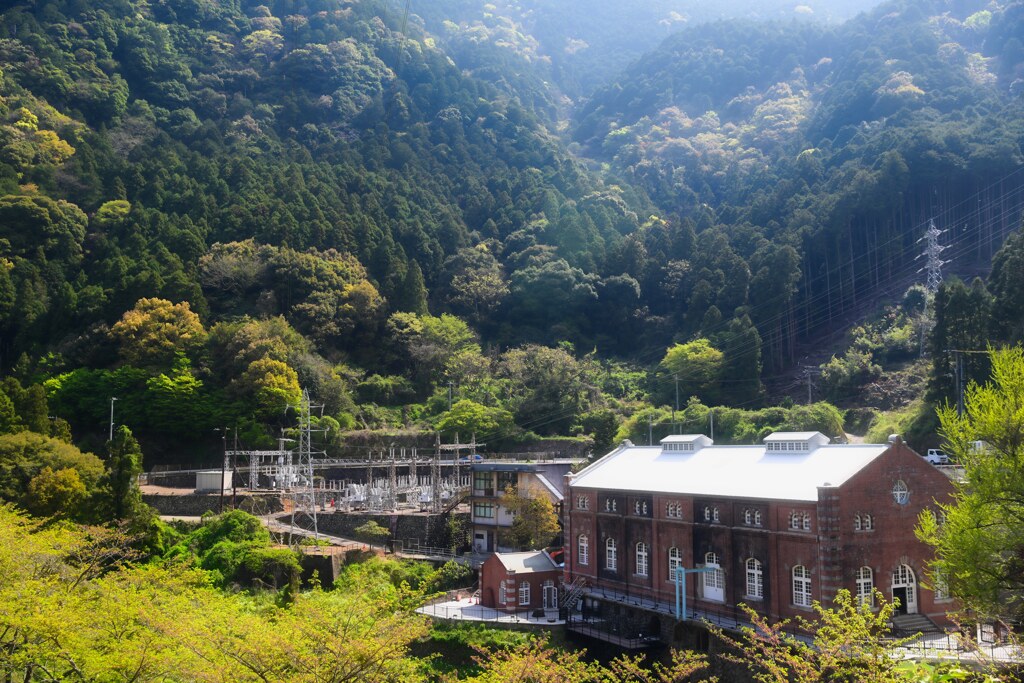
475	457
936	457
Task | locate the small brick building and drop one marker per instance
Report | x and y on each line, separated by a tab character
776	525
520	581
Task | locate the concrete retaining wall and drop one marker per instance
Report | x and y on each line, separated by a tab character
196	504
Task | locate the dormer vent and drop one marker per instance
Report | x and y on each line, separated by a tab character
684	443
794	442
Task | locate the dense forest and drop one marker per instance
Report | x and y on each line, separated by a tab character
205	206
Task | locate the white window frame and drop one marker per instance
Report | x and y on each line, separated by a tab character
748	516
757	518
714	514
900	492
642	559
675	560
714	580
524	594
755	579
583	549
865	579
806	518
611	555
940	588
582	503
802	586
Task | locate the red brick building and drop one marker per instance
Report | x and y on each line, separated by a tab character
776	526
519	581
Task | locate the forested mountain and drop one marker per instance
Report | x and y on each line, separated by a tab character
579	45
206	205
819	154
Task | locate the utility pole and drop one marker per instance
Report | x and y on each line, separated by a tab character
959	376
449	397
809	371
112	399
676	408
234	468
650	430
223	466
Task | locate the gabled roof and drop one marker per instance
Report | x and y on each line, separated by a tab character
527	563
729	471
552	489
794	436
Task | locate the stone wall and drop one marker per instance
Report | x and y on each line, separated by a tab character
197	504
428	530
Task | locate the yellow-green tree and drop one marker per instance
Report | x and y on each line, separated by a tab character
152	333
979	544
535	524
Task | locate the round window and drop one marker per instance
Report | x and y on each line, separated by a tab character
900	493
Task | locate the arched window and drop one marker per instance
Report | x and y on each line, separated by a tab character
806	519
900	492
714	514
794	520
748	516
867	522
757	518
866	586
583	549
641	559
755	579
707	513
857	523
714	581
582	502
524	593
675	560
611	555
801	586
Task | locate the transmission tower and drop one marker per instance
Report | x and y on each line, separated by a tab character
933	252
305	493
435	476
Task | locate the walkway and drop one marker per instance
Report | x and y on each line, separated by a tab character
468	609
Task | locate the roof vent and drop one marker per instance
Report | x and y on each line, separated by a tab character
684	443
794	442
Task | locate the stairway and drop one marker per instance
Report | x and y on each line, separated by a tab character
572	593
904	625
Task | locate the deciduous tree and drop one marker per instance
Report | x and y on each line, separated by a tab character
980	543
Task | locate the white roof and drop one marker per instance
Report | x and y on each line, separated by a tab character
796	436
686	438
526	563
729	471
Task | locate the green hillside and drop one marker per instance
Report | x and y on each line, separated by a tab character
205	206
